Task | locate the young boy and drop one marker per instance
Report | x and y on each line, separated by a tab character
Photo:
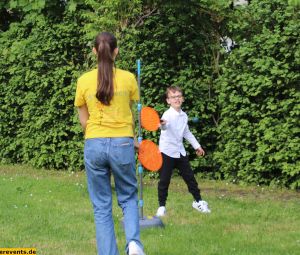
174	127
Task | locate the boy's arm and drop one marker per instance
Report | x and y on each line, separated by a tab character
193	141
187	134
163	122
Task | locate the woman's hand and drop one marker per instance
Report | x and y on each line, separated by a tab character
136	144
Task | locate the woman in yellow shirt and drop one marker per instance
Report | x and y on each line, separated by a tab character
104	97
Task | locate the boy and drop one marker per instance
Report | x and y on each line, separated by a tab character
174	127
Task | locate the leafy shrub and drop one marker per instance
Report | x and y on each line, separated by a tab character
40	59
247	101
259	93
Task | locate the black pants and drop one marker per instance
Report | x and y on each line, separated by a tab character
165	174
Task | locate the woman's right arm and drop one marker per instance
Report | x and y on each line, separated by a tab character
136	143
83	115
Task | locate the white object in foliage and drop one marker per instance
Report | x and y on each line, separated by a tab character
240	2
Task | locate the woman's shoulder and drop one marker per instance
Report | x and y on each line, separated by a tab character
124	73
88	75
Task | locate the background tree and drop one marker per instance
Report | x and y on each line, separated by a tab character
247	100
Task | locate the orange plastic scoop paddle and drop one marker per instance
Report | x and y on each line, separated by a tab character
150	156
149	119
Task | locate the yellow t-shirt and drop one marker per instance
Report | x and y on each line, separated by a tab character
114	120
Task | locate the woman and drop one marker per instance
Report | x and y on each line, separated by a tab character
104	97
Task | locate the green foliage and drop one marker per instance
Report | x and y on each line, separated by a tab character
178	45
43	52
259	94
40	60
247	101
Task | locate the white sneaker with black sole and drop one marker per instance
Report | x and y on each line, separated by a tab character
134	249
201	206
161	211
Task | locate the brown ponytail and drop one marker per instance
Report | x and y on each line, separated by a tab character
105	44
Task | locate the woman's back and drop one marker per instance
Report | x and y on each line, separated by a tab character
114	120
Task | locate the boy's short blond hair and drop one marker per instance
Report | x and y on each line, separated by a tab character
173	89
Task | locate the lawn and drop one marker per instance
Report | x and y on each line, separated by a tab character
51	211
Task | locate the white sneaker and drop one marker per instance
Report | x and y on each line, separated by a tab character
201	206
161	211
134	249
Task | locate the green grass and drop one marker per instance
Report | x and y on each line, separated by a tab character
50	210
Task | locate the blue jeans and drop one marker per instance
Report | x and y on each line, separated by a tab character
103	157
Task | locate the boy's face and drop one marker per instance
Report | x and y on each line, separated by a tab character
175	99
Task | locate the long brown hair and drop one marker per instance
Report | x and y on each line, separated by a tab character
105	44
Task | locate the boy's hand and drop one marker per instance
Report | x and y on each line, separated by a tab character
200	152
162	123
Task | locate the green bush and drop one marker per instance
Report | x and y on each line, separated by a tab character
45	46
258	91
247	100
41	58
176	44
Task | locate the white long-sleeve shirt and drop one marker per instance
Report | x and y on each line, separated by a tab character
173	132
